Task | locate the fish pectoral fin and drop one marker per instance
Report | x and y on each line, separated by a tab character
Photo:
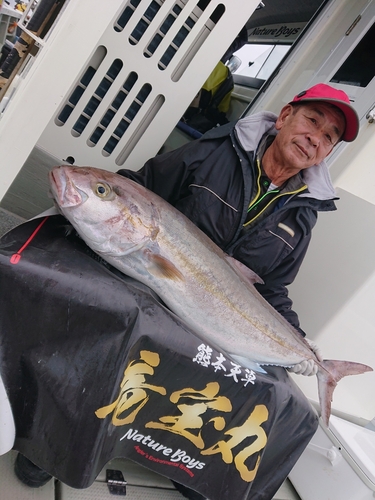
243	271
164	268
248	363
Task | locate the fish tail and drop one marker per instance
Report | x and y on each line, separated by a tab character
329	374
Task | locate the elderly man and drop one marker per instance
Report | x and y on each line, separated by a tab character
255	186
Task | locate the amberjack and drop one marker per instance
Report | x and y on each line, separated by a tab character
146	238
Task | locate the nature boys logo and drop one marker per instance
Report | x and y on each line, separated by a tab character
149	448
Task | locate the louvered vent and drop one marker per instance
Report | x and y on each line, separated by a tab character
97	97
111	105
81	86
113	108
156	38
127	119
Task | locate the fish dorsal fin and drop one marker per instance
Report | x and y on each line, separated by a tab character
243	271
163	268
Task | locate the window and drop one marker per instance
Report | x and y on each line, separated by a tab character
359	68
260	60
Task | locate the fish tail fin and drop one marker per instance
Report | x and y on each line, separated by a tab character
329	374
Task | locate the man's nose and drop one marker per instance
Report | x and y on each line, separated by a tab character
314	137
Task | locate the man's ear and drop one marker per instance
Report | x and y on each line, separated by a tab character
286	111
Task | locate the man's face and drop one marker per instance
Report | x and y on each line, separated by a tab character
308	133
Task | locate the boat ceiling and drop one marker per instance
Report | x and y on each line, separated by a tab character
284	11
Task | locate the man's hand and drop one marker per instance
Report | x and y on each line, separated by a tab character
307	367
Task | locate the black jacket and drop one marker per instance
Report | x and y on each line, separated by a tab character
211	180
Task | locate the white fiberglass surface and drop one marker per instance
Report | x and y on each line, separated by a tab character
7	428
359	443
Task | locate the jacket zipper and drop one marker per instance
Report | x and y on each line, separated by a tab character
256	200
258	185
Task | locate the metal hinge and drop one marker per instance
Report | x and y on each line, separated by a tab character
371	115
116	482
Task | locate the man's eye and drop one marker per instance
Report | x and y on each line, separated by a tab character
328	139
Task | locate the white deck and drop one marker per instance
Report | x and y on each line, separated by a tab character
142	484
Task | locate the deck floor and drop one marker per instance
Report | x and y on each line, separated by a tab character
142	484
28	195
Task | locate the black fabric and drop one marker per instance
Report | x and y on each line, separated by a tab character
187	492
96	367
204	120
29	474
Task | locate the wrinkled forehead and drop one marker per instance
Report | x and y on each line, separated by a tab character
332	114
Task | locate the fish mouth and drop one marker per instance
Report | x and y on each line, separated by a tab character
63	190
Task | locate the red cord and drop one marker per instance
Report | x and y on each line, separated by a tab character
16	257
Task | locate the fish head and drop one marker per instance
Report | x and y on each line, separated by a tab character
104	208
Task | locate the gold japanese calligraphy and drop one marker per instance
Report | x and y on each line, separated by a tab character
190	417
198	408
252	427
133	390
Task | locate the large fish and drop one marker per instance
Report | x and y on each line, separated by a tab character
146	238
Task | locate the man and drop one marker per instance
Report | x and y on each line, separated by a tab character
255	186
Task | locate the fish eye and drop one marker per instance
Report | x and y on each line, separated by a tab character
102	190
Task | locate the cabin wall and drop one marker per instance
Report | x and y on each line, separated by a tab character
334	290
37	93
334	294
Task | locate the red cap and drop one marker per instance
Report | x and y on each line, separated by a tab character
326	93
